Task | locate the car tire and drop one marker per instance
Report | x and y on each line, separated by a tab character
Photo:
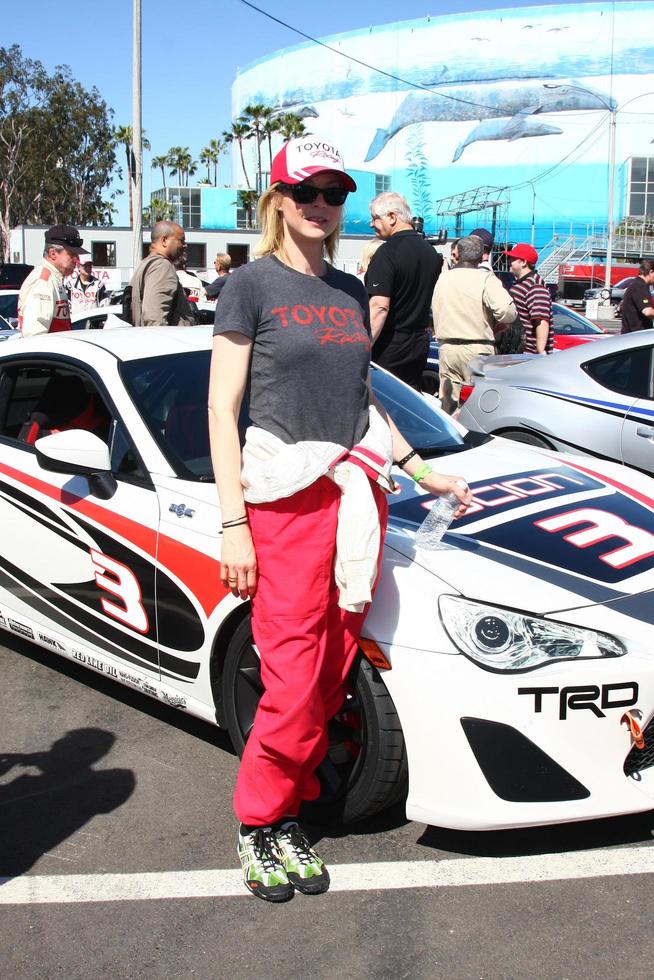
430	382
528	438
365	770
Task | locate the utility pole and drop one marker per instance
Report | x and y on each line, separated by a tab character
137	138
609	230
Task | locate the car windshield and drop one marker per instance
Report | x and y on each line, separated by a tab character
567	322
170	393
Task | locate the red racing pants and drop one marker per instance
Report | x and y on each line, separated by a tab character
307	644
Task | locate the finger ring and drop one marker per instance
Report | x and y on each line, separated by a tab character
232	580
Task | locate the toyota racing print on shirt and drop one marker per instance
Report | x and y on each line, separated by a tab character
330	324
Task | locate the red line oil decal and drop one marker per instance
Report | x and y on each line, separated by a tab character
199	572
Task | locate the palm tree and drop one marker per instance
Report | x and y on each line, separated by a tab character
158	211
212	152
247	200
123	134
255	116
269	126
181	162
162	162
239	132
290	126
207	159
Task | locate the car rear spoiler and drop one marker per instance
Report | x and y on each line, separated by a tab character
480	366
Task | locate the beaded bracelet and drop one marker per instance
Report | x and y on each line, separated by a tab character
421	472
405	459
236	522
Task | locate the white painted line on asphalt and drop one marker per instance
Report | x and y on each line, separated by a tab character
382	876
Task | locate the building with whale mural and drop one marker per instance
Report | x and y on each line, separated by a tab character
518	100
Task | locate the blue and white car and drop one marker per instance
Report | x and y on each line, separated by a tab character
504	680
596	400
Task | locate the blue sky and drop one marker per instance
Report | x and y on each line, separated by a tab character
191	53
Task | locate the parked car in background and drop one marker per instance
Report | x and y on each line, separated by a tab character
570	330
100	318
9	308
596	400
615	294
14	274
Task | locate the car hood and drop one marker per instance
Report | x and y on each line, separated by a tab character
546	532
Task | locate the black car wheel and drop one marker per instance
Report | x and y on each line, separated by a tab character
365	769
529	438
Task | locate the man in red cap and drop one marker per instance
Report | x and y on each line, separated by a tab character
43	304
532	300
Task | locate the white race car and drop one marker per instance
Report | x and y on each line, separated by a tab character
505	680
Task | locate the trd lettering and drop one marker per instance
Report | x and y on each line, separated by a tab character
585	697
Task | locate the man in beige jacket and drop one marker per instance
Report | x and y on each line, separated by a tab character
470	306
158	298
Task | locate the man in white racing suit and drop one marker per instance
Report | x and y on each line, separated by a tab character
43	305
85	290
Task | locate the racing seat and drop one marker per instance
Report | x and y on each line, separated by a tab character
65	404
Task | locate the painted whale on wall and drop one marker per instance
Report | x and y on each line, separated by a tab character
583	40
519	128
504	99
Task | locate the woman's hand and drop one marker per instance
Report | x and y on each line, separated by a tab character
439	484
238	562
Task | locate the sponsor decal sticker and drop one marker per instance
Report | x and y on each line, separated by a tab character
174	700
21	629
595	698
51	642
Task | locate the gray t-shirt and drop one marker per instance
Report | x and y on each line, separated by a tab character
311	349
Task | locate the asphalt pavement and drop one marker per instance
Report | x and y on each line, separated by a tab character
98	781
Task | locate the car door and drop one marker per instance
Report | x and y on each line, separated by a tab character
77	558
627	409
637	441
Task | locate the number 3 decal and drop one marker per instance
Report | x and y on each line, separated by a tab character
117	579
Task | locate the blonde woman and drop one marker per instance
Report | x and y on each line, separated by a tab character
294	332
369	250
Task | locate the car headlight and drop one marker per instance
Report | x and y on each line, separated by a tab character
499	639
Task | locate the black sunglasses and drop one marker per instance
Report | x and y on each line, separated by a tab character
307	194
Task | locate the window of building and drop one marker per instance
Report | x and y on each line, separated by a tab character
382	183
240	254
103	254
196	255
640	193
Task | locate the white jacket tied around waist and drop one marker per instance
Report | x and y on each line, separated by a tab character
273	469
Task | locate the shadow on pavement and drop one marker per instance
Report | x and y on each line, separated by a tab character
122	694
612	832
43	807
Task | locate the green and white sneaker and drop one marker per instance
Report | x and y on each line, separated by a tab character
263	871
305	870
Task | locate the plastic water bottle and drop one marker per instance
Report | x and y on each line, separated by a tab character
437	521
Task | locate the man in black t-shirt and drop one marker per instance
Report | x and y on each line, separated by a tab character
637	308
400	281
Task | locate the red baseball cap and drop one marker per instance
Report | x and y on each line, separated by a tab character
301	158
524	251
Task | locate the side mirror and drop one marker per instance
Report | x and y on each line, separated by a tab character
75	451
78	452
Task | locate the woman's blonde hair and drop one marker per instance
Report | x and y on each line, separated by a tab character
369	250
272	227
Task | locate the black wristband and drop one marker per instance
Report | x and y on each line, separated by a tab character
235	523
402	462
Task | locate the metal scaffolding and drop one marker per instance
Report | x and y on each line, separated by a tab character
490	205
